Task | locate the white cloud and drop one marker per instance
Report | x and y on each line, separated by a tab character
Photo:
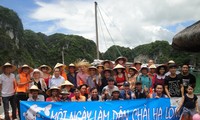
137	21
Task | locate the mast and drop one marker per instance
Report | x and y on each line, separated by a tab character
96	25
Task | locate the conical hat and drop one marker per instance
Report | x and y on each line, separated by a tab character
67	83
133	68
45	66
52	88
34	87
25	66
37	70
60	65
8	64
71	65
92	67
152	67
121	57
118	66
137	62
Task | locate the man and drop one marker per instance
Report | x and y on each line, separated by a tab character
186	77
7	90
56	79
168	64
72	74
126	93
62	69
173	83
34	91
110	87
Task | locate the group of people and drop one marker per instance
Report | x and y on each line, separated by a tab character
106	81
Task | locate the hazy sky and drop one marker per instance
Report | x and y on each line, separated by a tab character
130	22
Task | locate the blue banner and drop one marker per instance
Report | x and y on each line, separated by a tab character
143	109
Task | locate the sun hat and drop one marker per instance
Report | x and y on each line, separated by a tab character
25	66
158	68
8	64
71	65
120	57
152	66
45	66
34	87
171	62
67	83
60	65
118	66
137	62
115	90
144	67
133	68
37	70
50	90
100	65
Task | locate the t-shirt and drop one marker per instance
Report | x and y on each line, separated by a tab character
188	79
7	85
174	86
190	103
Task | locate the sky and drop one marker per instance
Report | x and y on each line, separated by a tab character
127	23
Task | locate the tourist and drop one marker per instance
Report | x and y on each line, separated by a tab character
121	60
7	90
84	90
120	76
23	80
72	74
46	70
152	71
139	93
82	74
77	96
159	77
173	83
107	64
94	95
189	104
109	88
150	62
53	94
171	62
137	65
56	79
132	77
159	92
62	69
68	86
145	79
37	79
34	91
115	95
93	79
65	96
126	93
186	77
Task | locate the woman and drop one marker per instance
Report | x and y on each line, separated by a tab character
121	60
94	95
84	89
152	71
133	73
120	76
159	77
82	74
107	64
53	94
159	88
37	79
46	73
77	96
189	104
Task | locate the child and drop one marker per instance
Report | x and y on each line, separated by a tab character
189	104
159	88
